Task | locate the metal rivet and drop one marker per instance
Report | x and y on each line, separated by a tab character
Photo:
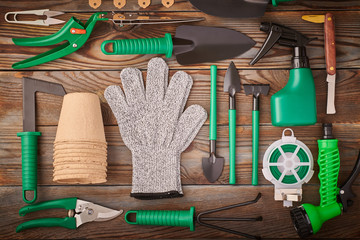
342	191
74	45
90	211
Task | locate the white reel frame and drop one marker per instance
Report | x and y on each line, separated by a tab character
287	164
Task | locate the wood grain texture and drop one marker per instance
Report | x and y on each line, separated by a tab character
330	46
91	57
119	156
276	219
49	106
88	70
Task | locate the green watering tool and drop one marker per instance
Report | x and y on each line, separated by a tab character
232	85
295	104
213	165
79	212
191	45
74	32
188	218
29	136
255	90
308	218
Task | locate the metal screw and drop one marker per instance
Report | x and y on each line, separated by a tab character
73	31
74	45
90	211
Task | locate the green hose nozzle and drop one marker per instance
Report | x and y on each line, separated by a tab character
308	218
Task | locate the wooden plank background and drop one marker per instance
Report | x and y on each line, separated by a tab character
91	71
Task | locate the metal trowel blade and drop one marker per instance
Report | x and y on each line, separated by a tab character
232	8
232	80
213	167
199	44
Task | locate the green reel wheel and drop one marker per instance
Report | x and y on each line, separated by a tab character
288	163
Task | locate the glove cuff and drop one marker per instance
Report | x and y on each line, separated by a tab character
156	173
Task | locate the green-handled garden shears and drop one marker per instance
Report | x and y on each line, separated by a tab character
74	32
80	212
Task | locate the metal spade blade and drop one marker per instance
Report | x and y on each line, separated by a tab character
197	44
232	8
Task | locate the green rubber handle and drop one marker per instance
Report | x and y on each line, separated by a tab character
182	218
232	145
68	222
329	165
29	150
255	147
276	2
140	46
65	203
213	124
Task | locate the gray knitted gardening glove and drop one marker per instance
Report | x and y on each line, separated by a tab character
154	127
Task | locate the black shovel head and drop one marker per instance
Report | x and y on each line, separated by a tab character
198	44
232	82
232	8
212	167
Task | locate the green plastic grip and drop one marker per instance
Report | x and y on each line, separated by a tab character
29	163
140	46
65	203
68	222
181	218
213	121
329	164
276	2
255	146
232	145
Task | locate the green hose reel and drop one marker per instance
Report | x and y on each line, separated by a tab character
288	163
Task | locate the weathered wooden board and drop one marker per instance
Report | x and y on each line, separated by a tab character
119	156
91	57
180	5
276	219
48	106
91	71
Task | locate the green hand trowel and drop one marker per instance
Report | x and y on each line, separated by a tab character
213	166
29	136
191	45
232	85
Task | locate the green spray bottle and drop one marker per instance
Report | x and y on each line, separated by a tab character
295	104
308	218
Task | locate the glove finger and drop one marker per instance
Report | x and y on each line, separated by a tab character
178	91
116	100
188	126
133	86
156	80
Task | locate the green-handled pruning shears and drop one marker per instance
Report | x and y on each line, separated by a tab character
80	212
74	32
